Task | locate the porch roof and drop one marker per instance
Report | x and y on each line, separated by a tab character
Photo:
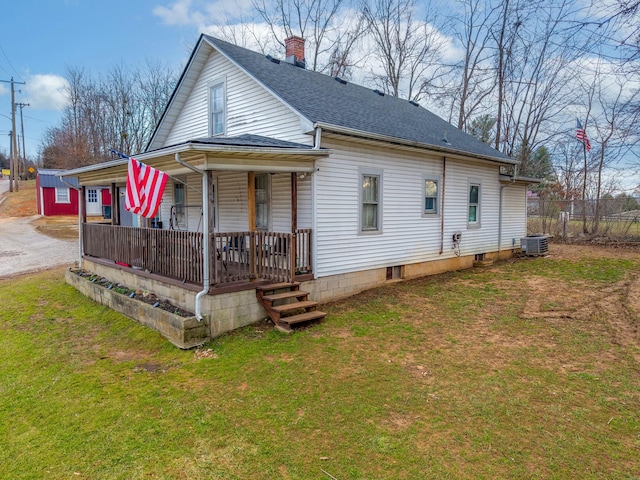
240	153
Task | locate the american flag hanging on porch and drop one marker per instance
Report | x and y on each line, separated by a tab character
145	186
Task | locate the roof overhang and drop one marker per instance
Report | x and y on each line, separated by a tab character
508	179
442	150
204	157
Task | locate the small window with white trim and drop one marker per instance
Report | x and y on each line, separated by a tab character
370	201
430	190
217	108
62	195
474	205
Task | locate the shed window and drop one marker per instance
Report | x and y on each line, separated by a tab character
62	195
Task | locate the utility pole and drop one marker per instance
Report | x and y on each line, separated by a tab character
24	151
14	138
11	161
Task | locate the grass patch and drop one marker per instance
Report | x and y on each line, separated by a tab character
21	203
520	370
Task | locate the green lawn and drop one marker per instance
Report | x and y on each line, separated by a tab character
527	369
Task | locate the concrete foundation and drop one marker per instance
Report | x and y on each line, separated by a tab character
228	311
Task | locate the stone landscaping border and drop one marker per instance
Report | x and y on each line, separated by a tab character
183	332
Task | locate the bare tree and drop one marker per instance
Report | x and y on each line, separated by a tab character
476	70
406	49
116	111
313	20
614	124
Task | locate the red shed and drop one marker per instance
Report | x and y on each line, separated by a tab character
55	197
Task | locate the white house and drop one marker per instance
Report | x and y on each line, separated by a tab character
303	179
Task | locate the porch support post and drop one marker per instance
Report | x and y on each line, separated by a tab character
294	226
82	220
251	204
115	205
210	219
82	194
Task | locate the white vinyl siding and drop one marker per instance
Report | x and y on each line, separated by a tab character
408	236
514	221
249	108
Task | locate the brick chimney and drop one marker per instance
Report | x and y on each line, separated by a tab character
294	48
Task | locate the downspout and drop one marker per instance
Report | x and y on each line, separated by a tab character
318	137
444	176
80	229
314	206
205	235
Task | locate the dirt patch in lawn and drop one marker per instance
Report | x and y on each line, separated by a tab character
62	227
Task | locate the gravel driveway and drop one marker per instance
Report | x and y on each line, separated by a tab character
24	249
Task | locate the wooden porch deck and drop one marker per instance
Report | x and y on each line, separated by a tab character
235	257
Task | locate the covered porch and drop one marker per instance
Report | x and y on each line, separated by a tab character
233	238
234	258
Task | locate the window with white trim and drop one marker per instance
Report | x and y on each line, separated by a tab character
474	205
62	195
371	201
430	190
217	108
263	200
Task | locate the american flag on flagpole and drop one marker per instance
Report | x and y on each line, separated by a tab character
145	186
581	135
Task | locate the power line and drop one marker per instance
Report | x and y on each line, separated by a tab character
9	62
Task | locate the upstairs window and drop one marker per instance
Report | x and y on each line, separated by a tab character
217	109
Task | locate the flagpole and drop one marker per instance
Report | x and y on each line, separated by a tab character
584	191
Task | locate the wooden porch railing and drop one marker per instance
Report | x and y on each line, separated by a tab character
169	253
235	256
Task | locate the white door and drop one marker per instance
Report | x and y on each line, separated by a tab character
94	206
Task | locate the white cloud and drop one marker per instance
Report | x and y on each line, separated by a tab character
46	92
203	14
179	14
3	89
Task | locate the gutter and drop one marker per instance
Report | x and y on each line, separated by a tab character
198	147
205	234
411	143
80	214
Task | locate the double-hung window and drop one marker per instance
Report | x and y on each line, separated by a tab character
217	108
474	205
430	205
62	195
371	201
263	199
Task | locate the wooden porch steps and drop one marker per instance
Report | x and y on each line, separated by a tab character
287	305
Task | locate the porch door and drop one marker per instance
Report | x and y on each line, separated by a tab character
263	201
93	204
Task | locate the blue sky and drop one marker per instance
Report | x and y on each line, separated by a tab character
40	39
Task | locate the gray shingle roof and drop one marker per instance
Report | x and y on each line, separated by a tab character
321	98
248	140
